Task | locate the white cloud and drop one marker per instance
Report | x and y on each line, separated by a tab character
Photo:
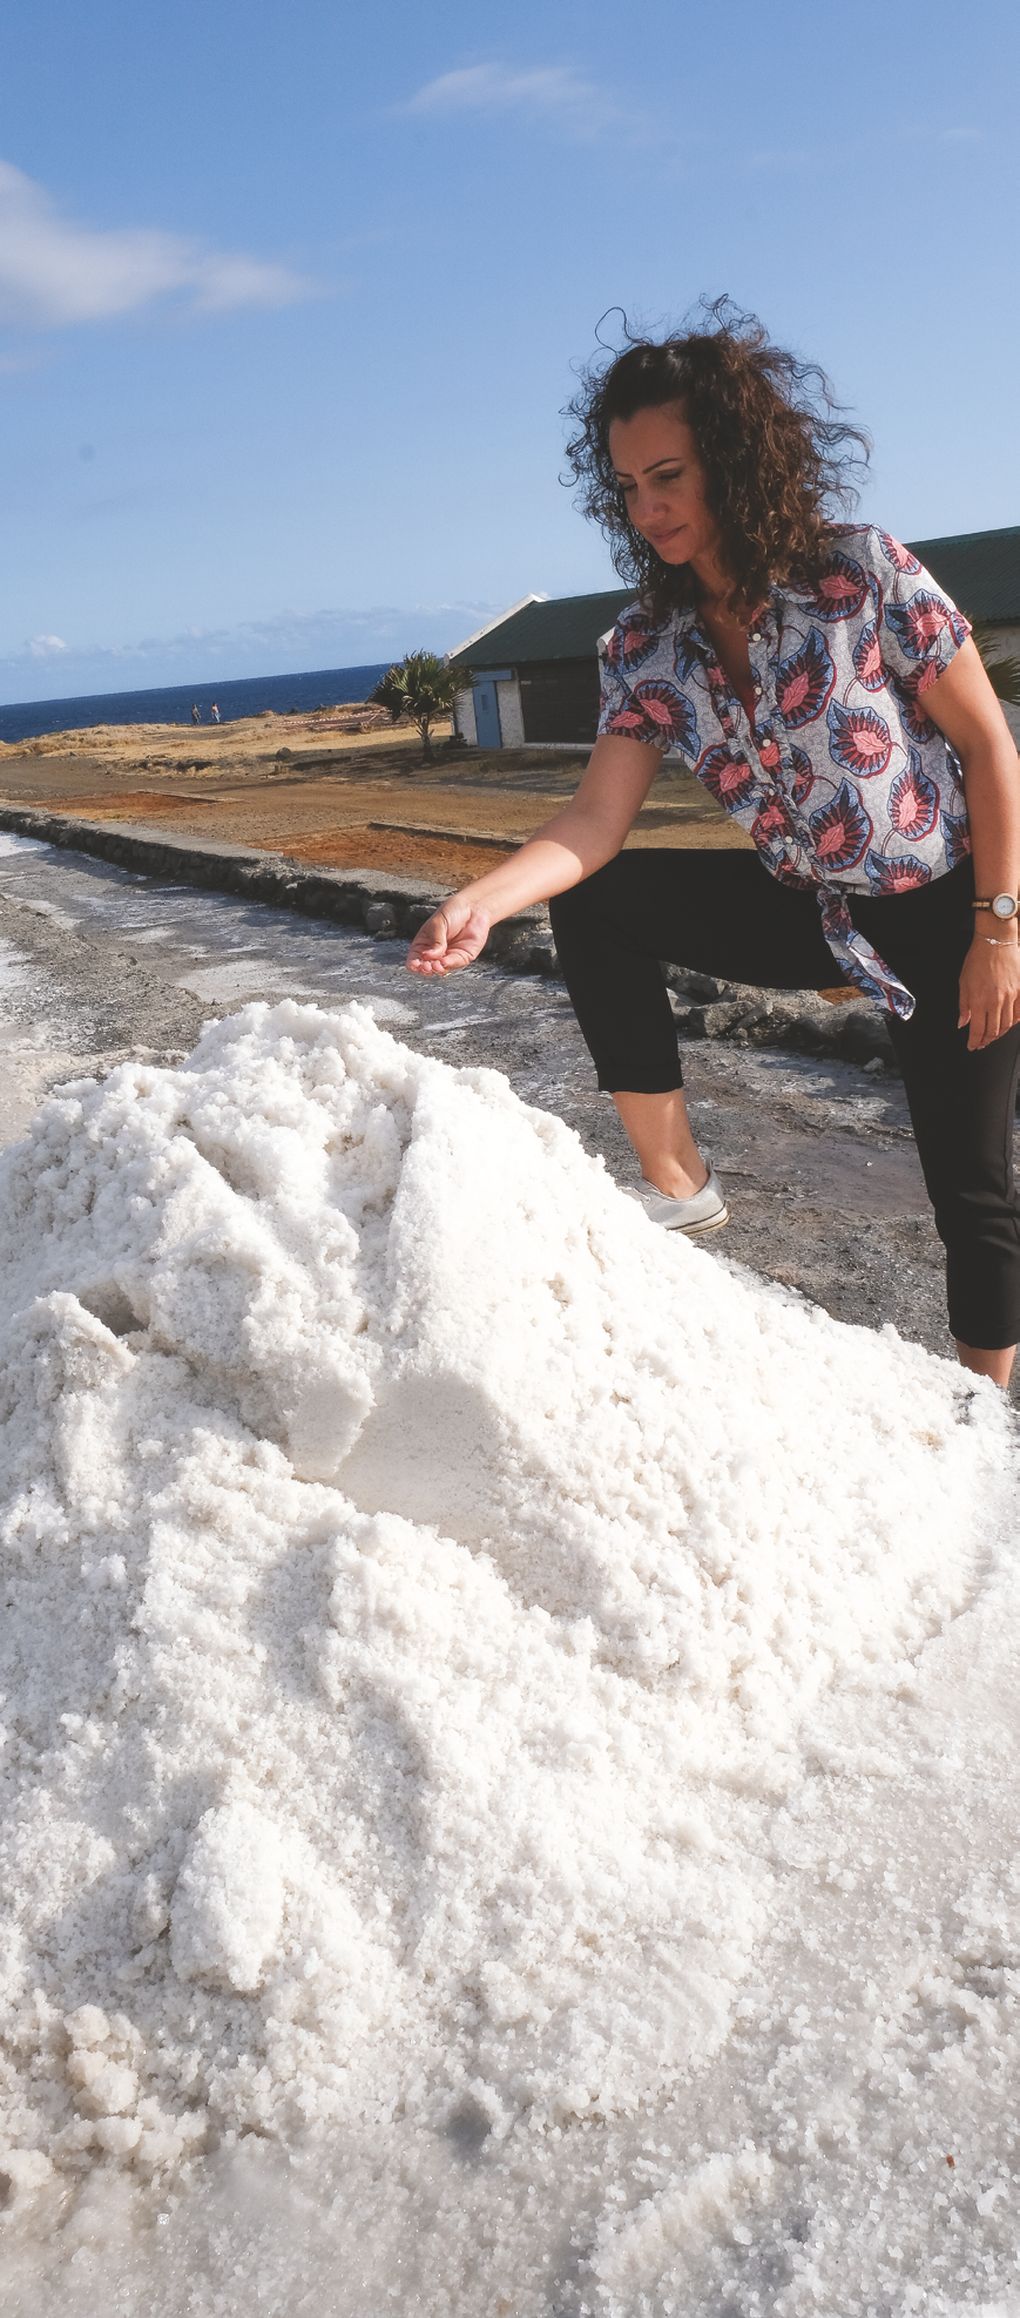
357	635
287	640
554	92
54	271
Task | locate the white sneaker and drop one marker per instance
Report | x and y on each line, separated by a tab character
704	1211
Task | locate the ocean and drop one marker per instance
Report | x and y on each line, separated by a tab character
172	703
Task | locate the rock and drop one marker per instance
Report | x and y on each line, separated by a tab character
501	940
691	984
801	1027
863	1037
708	1021
380	918
542	953
798	1020
723	1020
527	952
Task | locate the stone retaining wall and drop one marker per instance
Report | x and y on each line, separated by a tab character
393	907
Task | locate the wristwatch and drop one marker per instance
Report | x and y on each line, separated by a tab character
1002	905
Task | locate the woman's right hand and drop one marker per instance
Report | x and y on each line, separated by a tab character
451	937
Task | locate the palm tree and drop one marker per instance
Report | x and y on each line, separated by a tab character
422	687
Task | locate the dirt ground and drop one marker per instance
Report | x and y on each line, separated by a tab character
327	791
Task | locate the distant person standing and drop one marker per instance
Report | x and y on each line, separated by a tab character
214	713
196	713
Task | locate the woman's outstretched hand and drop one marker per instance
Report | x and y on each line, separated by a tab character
451	937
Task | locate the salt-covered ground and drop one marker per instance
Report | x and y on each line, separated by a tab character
509	1726
824	1189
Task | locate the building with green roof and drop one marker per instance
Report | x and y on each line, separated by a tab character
532	676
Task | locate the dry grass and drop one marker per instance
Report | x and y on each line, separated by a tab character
317	790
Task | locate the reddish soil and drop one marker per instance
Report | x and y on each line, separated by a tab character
340	799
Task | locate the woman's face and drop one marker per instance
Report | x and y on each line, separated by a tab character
663	483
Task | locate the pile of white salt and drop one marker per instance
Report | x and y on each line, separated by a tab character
422	1580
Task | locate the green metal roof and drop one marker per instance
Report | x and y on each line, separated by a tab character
568	628
979	569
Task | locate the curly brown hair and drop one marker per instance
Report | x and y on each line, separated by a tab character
777	453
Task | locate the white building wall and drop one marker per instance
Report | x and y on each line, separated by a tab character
511	713
464	715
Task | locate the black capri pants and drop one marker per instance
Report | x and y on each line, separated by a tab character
722	912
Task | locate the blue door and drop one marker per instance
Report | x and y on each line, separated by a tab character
487	727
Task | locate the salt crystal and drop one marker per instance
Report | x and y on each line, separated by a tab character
474	1557
227	1908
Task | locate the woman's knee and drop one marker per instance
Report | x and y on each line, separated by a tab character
589	894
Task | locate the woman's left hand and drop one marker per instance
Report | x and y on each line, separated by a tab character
990	990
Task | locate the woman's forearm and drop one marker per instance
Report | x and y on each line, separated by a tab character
991	783
559	855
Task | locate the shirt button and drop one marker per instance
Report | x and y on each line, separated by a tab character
754	636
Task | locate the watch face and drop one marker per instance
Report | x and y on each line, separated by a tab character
1004	906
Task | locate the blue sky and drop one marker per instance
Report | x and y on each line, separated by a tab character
290	296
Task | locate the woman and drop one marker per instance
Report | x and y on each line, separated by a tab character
829	695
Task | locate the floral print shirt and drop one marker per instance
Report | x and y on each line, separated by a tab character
842	780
